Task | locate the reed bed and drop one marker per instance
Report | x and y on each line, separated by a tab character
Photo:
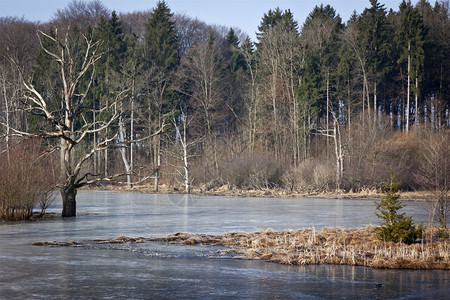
356	247
338	246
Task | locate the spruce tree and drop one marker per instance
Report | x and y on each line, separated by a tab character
396	227
160	47
376	38
160	59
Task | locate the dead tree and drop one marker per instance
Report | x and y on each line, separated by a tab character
339	148
70	124
185	145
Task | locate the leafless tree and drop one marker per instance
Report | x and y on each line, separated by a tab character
339	148
69	124
183	148
80	14
434	174
17	39
200	72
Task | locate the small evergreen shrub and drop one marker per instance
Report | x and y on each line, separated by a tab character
396	227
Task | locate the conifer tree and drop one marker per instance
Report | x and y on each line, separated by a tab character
234	67
112	44
395	226
376	38
160	48
160	58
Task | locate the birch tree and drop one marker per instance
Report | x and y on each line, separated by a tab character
201	75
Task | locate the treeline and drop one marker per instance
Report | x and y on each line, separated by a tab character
326	104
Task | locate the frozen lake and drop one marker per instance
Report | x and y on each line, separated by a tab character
159	271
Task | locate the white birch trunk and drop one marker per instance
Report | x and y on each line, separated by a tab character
123	152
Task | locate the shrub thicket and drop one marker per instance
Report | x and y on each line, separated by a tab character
26	180
253	171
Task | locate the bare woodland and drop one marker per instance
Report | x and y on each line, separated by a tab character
96	98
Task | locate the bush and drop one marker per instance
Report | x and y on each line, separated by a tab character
310	175
433	174
395	226
25	181
256	171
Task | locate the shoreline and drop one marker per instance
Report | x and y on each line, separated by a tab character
226	191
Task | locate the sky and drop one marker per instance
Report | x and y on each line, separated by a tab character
243	14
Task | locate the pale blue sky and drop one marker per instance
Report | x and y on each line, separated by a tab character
244	14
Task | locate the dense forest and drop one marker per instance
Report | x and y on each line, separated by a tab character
325	104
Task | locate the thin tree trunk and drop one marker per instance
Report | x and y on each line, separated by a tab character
132	132
158	164
375	108
94	137
274	104
416	99
408	88
328	109
8	125
185	160
106	155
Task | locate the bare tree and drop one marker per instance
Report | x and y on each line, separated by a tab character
339	148
18	39
201	74
69	124
183	148
80	14
434	175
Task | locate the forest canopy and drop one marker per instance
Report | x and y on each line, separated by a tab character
315	104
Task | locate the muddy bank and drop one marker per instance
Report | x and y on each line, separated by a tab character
338	246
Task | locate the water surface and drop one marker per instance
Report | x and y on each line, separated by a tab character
158	270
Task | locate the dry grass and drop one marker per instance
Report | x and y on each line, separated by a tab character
226	190
356	247
338	246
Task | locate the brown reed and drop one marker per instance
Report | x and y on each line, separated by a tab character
339	246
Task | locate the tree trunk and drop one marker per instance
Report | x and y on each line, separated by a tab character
375	107
408	89
8	125
328	111
156	179
185	159
68	194
416	99
123	153
132	133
